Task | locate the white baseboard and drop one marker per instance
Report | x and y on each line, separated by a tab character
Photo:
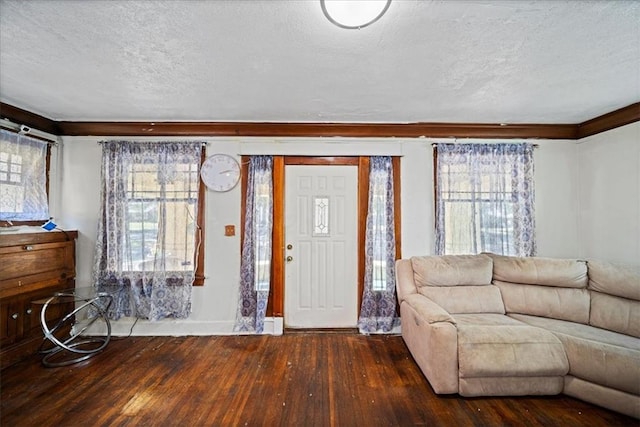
173	327
396	330
186	327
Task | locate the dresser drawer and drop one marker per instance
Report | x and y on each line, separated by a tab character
29	267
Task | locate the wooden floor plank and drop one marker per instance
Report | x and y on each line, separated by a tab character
306	378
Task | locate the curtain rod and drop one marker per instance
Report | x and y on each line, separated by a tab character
104	141
29	131
433	144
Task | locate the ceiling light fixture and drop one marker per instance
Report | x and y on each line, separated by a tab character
354	14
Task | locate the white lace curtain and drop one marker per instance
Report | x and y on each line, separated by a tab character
378	310
145	249
255	268
23	179
485	199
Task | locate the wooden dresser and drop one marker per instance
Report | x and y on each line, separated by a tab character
32	267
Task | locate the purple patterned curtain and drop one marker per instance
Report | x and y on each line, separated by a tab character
485	199
255	268
378	310
146	234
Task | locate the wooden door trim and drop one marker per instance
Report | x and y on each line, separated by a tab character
396	206
321	161
363	207
275	305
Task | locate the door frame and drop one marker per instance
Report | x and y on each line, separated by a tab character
275	306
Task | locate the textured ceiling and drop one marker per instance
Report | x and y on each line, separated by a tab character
485	61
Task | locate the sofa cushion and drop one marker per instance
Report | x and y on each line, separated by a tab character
615	314
465	299
428	310
511	386
452	270
485	319
559	303
596	355
612	279
540	271
509	351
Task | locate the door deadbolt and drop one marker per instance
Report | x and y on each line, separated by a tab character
289	246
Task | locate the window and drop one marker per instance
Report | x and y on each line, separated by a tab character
158	205
23	178
378	309
321	217
484	199
147	247
379	228
262	225
255	266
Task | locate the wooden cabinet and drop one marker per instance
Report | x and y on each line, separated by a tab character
32	267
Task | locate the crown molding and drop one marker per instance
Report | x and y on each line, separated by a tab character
27	118
620	117
612	120
354	130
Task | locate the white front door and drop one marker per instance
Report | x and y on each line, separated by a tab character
321	251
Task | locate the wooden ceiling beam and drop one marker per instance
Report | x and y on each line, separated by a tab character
612	120
27	118
620	117
354	130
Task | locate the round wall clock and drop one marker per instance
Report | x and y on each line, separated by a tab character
220	172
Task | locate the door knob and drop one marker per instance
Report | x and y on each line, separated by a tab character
289	258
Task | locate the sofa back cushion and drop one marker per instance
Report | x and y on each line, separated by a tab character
547	287
615	297
546	301
465	299
458	283
615	314
612	279
452	270
565	273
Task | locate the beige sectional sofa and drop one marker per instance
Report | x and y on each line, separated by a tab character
490	325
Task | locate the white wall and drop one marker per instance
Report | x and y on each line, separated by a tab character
556	186
609	189
214	304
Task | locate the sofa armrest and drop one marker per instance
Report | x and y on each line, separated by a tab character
434	346
428	310
405	284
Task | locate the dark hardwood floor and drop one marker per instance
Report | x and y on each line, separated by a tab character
298	379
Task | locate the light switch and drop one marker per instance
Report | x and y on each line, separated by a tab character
229	230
